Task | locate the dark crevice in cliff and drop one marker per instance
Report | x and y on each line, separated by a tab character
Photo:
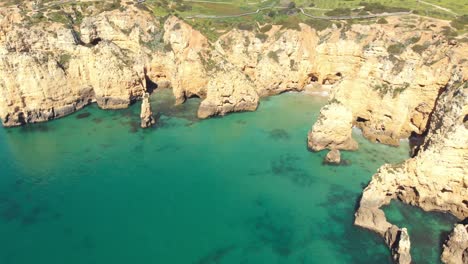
95	41
361	119
76	37
418	139
149	84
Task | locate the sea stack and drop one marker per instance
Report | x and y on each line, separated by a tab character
456	246
333	157
147	119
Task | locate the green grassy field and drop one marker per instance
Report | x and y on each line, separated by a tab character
275	12
319	7
280	12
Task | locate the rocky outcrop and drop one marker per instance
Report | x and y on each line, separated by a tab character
399	243
228	91
146	115
437	177
333	157
111	56
455	249
389	78
47	73
332	129
277	61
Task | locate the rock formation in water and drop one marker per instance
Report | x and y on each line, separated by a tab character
398	241
390	80
332	129
436	179
455	249
333	157
146	115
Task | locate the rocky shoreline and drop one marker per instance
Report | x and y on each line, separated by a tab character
392	81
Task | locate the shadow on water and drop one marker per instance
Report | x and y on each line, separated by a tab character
83	115
287	166
349	240
97	120
11	210
163	102
427	230
216	255
32	128
279	134
88	243
275	229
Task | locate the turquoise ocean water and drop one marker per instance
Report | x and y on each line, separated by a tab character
95	188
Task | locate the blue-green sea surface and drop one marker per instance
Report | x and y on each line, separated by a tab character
95	188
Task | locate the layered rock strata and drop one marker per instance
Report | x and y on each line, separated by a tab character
332	129
146	115
455	249
112	57
436	179
399	243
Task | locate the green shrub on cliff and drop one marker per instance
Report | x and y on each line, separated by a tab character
261	36
64	60
377	8
339	12
400	89
59	17
396	49
382	21
460	22
318	24
274	56
243	26
266	28
420	48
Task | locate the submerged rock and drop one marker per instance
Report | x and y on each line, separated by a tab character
333	157
455	249
333	129
147	118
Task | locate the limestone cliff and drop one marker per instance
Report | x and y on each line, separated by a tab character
456	246
112	57
390	80
437	177
48	73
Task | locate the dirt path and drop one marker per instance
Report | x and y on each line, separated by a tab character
438	7
355	17
305	14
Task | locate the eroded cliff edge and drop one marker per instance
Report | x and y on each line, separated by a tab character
114	57
391	80
436	179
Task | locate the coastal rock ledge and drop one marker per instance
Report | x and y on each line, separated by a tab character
333	129
436	179
456	246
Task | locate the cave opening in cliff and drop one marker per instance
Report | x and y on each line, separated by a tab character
150	85
191	96
361	119
331	79
95	41
313	77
